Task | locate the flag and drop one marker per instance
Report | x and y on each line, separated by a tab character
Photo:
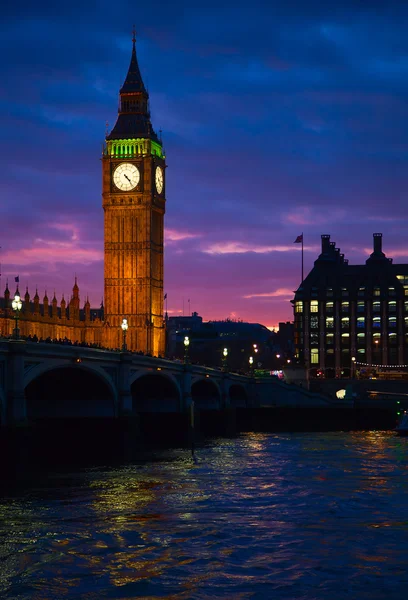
17	279
299	239
165	296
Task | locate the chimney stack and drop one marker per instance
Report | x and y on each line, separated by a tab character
325	244
377	243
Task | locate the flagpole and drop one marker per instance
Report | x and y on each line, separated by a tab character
302	257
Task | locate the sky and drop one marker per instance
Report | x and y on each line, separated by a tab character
278	118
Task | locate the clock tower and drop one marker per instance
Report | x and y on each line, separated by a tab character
133	193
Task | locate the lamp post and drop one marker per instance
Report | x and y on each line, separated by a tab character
353	367
17	305
224	359
251	363
186	343
125	327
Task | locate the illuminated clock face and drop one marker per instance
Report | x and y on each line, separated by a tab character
159	180
126	177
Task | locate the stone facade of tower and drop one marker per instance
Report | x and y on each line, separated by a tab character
133	193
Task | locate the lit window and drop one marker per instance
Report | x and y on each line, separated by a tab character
345	323
392	306
360	322
405	290
344	292
376	291
403	279
314	306
360	307
361	291
329	322
377	322
329	292
391	291
298	307
329	307
376	306
314	356
345	336
345	306
329	338
405	306
361	351
392	322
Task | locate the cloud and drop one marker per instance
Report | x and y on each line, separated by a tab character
276	294
172	235
243	248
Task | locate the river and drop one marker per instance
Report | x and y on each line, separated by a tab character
294	516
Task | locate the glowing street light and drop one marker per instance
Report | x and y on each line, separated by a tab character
17	305
353	366
251	363
125	327
224	358
186	343
255	346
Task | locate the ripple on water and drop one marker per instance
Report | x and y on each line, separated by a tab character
311	516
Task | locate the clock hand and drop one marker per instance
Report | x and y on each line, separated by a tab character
127	177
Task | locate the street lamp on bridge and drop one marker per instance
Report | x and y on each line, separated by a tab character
224	359
125	327
186	343
17	305
251	363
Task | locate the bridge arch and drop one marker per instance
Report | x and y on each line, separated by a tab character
154	391
67	390
206	394
238	395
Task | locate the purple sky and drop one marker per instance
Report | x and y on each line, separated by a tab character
278	118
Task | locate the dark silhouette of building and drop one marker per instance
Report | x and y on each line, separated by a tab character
209	338
351	316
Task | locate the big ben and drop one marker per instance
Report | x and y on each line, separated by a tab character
133	192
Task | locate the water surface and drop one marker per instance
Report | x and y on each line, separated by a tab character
296	516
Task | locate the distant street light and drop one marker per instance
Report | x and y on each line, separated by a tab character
251	363
224	359
17	305
255	346
125	327
186	343
353	367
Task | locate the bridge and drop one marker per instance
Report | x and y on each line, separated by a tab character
45	380
41	380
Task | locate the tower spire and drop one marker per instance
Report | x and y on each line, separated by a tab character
134	117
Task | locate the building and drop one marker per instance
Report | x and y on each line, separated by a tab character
133	198
351	316
133	191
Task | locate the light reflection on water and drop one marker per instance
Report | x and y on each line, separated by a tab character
297	516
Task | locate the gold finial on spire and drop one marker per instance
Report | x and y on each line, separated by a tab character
134	35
